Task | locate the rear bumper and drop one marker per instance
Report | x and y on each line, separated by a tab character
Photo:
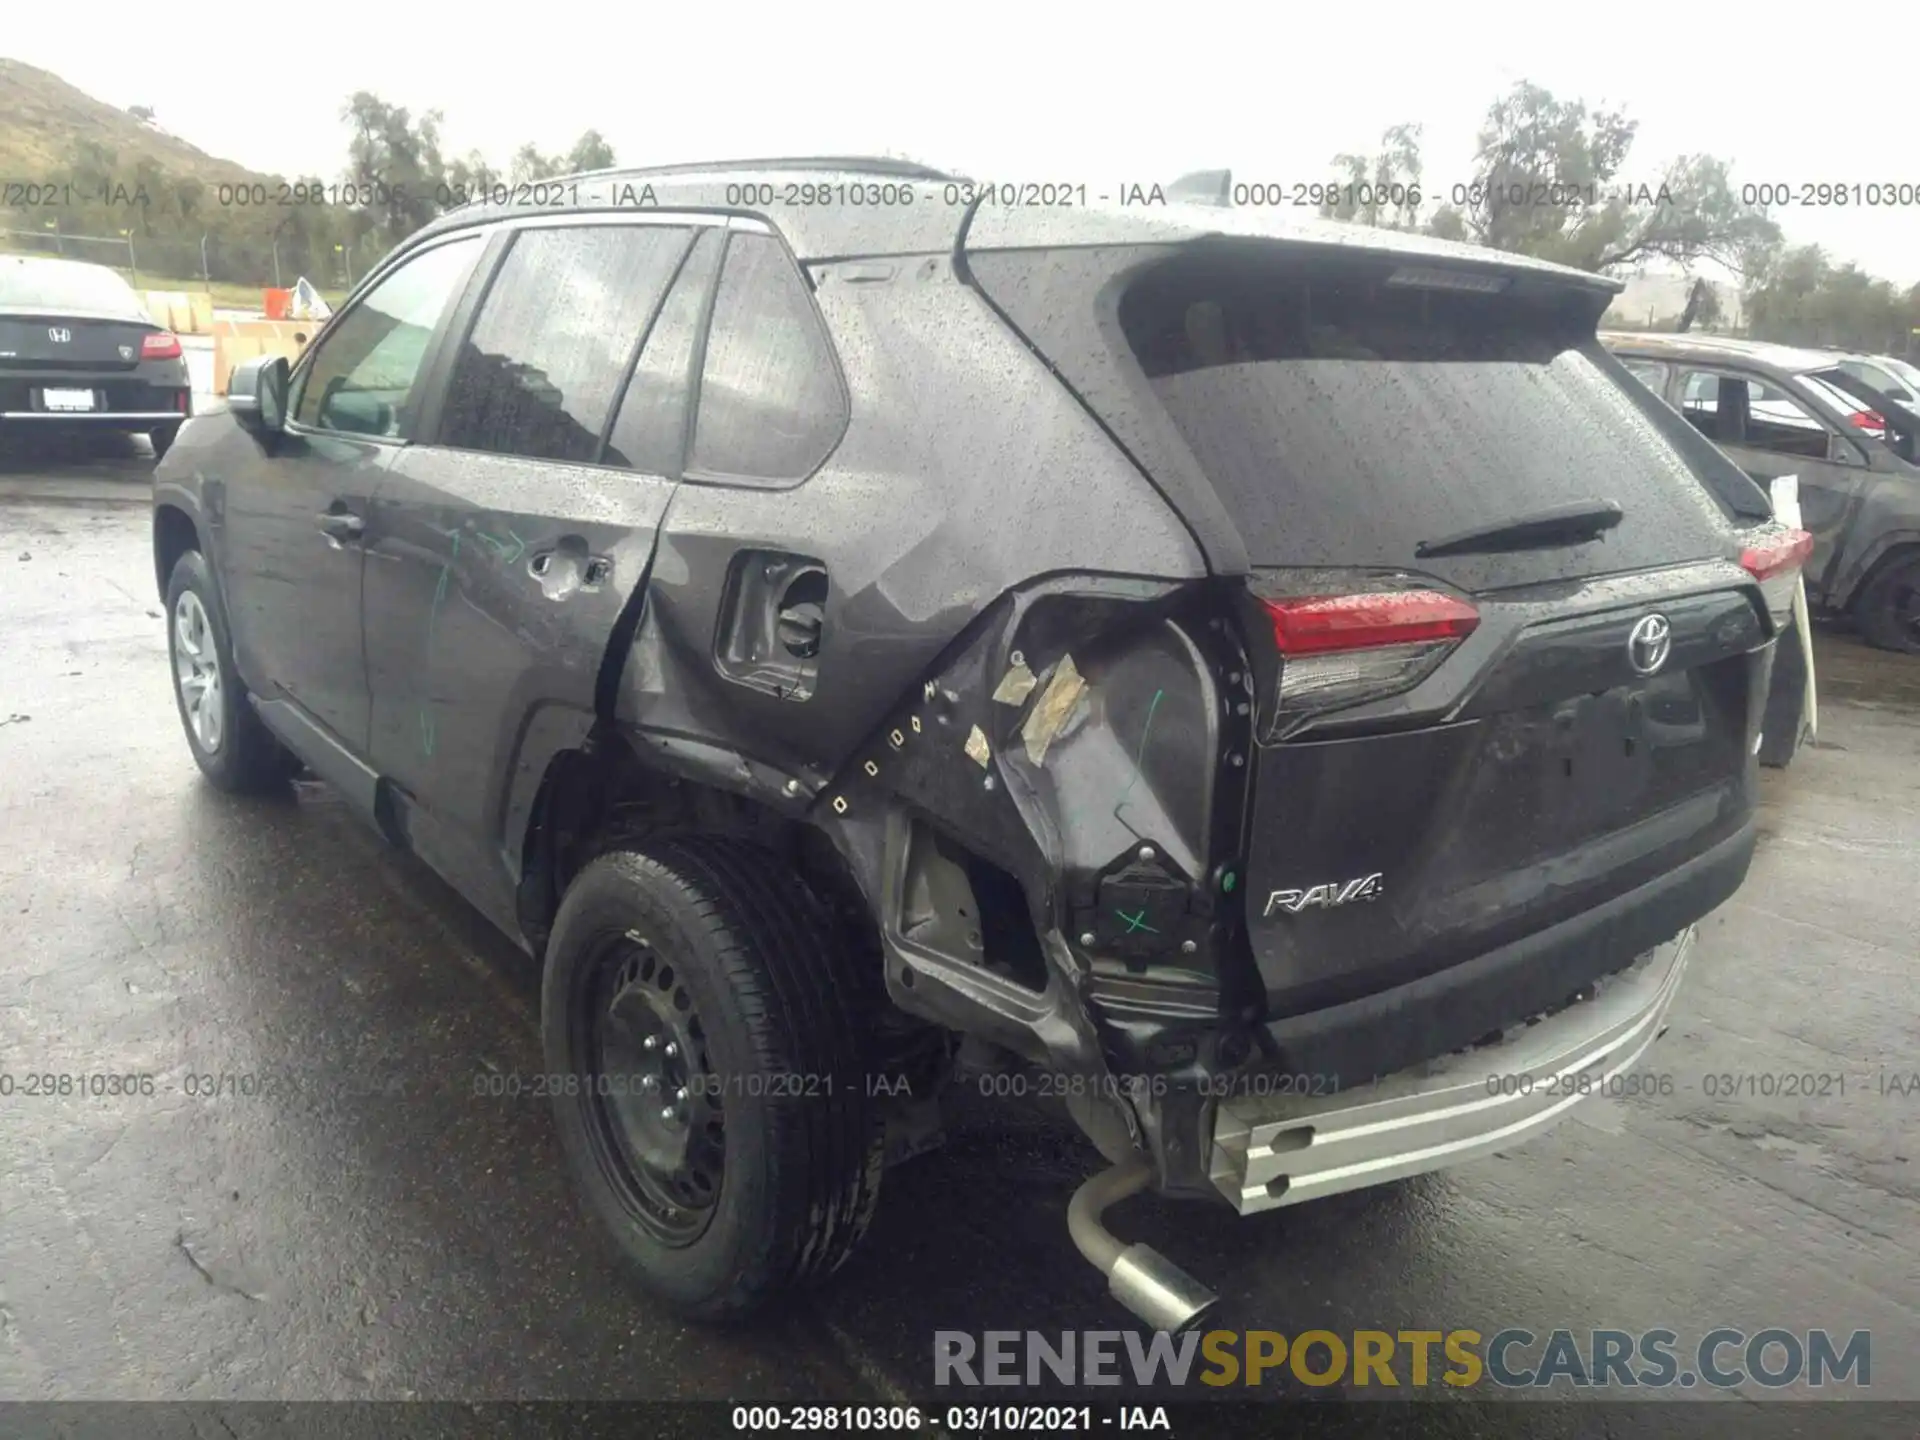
1274	1150
148	393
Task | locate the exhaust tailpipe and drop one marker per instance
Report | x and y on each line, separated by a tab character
1138	1276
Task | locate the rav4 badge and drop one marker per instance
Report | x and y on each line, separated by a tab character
1324	897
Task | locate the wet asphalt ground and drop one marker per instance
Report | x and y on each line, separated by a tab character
370	1227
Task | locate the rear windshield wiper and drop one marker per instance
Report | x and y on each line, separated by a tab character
1570	524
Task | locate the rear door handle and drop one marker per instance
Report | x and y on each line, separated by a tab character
341	526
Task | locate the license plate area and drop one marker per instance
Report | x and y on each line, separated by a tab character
1606	751
67	402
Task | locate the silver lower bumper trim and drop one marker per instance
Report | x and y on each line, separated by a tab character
1271	1150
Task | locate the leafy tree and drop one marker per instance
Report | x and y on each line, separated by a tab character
1798	296
529	165
471	175
1547	182
396	161
1383	189
590	152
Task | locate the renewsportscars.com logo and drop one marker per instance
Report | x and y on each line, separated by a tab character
1513	1358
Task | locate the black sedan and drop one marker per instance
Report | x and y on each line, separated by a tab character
77	349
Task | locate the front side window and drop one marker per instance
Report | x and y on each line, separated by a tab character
771	404
1756	414
555	339
364	376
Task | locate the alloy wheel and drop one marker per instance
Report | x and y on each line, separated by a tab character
196	672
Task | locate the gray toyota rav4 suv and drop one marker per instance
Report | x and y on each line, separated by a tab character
1283	691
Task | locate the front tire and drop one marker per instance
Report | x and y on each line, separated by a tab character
230	744
1889	608
711	1028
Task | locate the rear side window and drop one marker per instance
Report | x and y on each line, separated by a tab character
649	433
1343	419
771	403
550	349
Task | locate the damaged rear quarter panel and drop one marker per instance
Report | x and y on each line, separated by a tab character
972	506
966	471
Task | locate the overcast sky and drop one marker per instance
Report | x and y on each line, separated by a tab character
1120	94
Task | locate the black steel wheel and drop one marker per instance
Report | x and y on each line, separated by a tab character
656	1115
711	1032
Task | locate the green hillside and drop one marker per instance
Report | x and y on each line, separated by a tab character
89	180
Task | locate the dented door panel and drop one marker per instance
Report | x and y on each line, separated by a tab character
493	587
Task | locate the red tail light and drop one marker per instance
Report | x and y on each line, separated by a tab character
1868	420
1775	563
1322	623
160	345
1339	650
1788	551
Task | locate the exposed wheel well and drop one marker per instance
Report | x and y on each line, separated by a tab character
601	797
173	535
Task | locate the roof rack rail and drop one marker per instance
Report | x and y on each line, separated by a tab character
863	164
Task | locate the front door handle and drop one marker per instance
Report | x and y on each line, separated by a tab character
341	526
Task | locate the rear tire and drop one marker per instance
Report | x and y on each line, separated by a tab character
230	744
739	1154
1889	608
161	438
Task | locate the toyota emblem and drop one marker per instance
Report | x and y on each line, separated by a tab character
1649	644
59	334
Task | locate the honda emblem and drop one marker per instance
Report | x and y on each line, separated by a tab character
59	334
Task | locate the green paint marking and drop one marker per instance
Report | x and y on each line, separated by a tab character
427	726
1136	923
504	552
1141	753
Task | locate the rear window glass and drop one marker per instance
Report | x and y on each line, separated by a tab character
64	285
1343	420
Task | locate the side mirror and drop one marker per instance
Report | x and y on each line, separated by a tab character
257	394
